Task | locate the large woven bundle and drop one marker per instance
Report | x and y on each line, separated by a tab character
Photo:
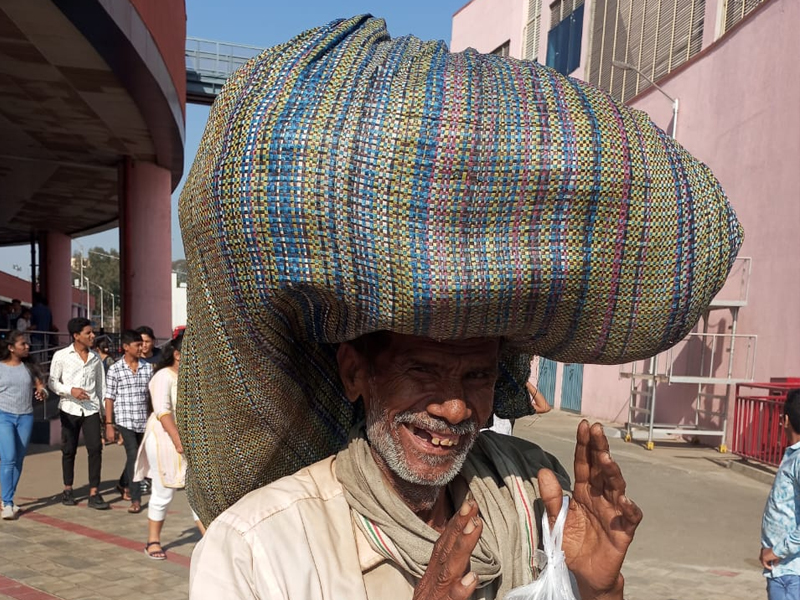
348	183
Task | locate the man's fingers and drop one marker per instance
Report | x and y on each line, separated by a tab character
444	545
465	543
464	588
550	492
448	576
581	465
631	513
609	478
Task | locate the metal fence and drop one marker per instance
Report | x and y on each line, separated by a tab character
758	432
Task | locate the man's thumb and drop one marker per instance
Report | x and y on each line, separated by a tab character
550	492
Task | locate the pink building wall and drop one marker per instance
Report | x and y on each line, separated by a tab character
488	24
739	113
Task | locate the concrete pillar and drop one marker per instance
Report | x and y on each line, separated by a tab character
146	246
57	271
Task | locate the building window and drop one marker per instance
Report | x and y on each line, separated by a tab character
736	10
532	26
655	36
502	50
564	39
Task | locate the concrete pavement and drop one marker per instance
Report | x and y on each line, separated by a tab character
699	539
700	536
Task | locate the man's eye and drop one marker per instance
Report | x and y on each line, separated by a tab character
480	375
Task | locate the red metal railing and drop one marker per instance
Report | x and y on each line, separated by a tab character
758	421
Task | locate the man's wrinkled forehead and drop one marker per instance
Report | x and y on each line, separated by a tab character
401	345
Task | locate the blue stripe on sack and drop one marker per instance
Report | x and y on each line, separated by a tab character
541	180
420	192
340	240
467	202
557	237
292	261
590	222
645	202
498	72
370	146
680	288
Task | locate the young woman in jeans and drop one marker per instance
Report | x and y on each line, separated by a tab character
17	383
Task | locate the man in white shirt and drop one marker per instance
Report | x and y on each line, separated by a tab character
77	376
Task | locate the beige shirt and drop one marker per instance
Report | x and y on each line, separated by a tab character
294	539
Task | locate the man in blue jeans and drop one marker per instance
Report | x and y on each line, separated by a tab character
780	525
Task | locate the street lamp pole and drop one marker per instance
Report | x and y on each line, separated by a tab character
88	305
625	66
102	316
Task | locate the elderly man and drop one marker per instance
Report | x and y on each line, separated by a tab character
380	235
419	482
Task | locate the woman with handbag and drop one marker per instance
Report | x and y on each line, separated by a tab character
161	453
18	380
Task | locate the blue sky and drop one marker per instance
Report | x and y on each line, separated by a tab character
264	23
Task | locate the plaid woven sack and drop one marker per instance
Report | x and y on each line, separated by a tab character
348	182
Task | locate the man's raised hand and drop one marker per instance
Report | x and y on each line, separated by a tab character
602	519
448	576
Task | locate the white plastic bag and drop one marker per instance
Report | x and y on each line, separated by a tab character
554	580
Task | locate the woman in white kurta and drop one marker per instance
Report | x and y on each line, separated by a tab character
161	453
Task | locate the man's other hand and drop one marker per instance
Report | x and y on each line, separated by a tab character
768	558
601	521
448	576
79	393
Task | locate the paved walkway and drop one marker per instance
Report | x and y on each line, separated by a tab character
698	541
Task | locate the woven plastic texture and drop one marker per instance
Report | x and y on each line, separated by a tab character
348	183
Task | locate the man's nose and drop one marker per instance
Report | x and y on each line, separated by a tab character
452	407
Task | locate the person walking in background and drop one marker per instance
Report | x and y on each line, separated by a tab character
18	379
5	318
104	351
780	525
77	376
161	453
42	321
150	352
14	312
538	401
24	324
127	408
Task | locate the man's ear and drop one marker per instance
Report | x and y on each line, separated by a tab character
353	370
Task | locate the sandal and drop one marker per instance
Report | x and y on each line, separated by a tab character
135	508
124	492
156	554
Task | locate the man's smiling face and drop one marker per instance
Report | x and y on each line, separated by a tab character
425	402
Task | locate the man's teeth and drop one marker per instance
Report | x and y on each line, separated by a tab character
442	442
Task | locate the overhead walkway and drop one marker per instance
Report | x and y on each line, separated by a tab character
209	64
